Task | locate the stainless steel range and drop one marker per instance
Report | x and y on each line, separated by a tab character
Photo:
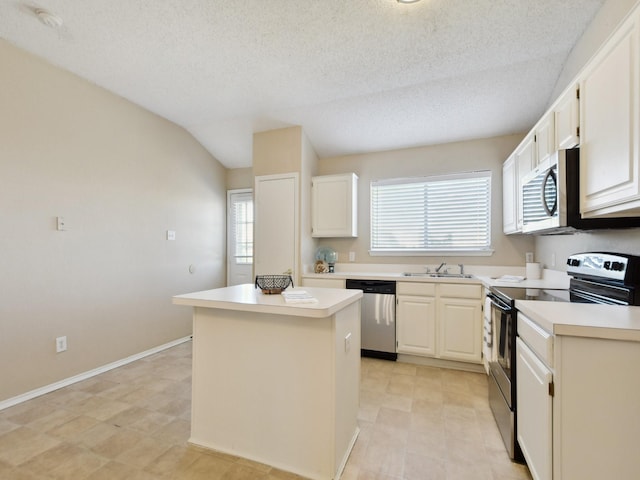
597	277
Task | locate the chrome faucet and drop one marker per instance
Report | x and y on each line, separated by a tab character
440	267
461	268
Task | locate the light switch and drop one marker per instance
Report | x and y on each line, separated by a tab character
61	225
171	234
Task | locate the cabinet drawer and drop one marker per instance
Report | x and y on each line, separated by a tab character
536	338
416	288
458	290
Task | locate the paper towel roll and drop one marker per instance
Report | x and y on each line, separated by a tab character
533	271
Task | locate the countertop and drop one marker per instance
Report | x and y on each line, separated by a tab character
611	322
247	298
551	279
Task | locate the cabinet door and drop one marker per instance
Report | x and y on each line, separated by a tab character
510	223
276	224
609	127
566	114
460	323
416	325
545	138
534	412
526	156
334	206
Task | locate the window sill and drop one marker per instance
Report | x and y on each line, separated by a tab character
431	253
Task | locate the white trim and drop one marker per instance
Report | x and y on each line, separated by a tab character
10	402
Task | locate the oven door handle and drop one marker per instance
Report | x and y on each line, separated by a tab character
499	305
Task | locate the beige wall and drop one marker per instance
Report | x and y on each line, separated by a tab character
277	151
121	177
624	241
432	160
239	178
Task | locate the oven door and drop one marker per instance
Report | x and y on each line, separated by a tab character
541	197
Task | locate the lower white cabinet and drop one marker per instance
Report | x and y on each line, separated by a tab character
460	321
534	412
578	400
440	320
416	325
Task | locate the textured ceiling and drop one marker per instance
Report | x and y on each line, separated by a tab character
357	75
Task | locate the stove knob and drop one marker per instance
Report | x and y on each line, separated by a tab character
607	265
617	266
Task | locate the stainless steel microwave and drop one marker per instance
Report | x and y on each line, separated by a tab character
550	198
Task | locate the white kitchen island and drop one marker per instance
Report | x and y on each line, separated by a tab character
274	382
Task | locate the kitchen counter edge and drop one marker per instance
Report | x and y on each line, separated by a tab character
249	299
612	322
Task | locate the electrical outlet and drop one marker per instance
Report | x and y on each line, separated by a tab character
61	344
347	343
171	234
352	256
553	259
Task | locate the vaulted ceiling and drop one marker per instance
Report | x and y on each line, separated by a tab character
357	75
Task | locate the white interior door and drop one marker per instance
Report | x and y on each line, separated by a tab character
239	236
276	228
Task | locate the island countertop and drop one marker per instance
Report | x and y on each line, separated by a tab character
247	298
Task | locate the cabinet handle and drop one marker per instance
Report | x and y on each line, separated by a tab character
551	389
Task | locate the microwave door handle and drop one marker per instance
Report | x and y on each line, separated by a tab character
550	211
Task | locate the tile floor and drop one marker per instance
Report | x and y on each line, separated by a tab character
417	423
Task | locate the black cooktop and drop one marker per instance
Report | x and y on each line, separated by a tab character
544	294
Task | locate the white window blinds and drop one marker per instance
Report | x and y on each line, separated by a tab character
449	213
241	210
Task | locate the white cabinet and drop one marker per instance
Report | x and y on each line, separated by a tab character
460	329
577	404
460	322
566	113
526	156
535	420
276	231
416	318
544	137
440	320
334	203
609	127
511	218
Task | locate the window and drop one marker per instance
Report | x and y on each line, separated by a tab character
241	225
432	215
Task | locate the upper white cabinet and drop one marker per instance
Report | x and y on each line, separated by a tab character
334	203
609	109
511	218
566	114
544	137
526	156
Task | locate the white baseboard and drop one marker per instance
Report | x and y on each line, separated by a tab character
10	402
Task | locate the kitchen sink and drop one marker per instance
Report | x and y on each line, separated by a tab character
438	275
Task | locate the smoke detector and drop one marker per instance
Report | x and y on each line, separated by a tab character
49	19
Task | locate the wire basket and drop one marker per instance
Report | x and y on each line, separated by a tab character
273	283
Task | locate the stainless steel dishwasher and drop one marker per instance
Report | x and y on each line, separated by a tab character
378	324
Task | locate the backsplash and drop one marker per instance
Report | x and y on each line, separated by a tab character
558	247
